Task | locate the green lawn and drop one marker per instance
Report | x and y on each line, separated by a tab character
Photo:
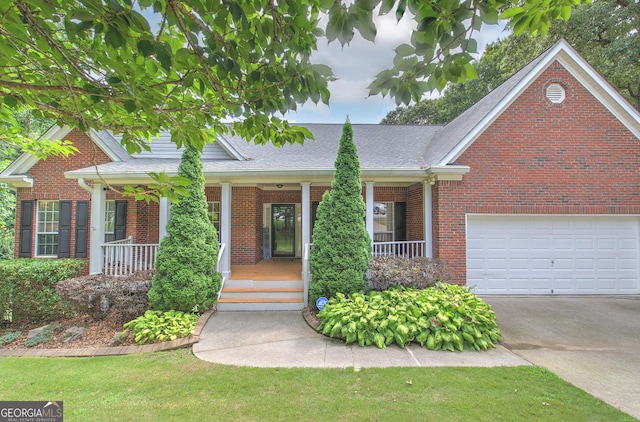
175	386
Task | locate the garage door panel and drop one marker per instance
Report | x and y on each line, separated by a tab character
553	254
538	244
627	244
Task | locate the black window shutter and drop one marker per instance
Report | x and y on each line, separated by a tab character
120	222
400	223
64	230
26	228
82	228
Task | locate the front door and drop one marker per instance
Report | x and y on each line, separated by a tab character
283	230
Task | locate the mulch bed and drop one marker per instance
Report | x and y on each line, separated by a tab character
100	333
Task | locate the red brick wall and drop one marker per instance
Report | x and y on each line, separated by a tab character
415	212
282	196
246	225
541	158
50	183
388	193
213	193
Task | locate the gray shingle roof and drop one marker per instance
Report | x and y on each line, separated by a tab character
380	147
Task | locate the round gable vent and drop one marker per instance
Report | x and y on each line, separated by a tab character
555	93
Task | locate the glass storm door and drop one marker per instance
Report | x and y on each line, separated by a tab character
283	230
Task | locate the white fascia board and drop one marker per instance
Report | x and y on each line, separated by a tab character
572	62
593	82
25	161
466	142
450	172
226	145
100	142
18	181
256	176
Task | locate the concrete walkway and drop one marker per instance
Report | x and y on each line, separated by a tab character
283	339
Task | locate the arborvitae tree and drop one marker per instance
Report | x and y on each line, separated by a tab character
341	251
186	279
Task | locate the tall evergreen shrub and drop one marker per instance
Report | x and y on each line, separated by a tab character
186	279
341	251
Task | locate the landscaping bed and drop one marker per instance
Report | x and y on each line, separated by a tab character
100	333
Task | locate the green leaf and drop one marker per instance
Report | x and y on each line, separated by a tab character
113	37
145	47
10	101
164	55
130	106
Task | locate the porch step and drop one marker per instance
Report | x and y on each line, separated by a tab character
254	295
265	290
260	300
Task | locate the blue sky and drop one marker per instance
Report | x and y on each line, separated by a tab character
356	65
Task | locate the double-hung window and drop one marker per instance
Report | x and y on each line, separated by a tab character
47	228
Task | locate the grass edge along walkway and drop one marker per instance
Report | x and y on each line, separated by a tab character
176	385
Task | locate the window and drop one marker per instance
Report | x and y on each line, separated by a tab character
383	222
110	221
213	210
47	228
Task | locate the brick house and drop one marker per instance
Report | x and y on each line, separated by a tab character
534	189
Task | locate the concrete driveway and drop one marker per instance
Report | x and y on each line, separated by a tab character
593	342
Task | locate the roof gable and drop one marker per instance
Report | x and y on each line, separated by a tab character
161	147
460	133
106	142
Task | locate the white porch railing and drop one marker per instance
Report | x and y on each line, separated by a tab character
407	249
221	248
123	257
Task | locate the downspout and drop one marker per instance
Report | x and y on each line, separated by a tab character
84	185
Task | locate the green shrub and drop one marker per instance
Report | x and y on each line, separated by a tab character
156	326
416	273
44	335
28	287
186	279
446	317
10	337
341	250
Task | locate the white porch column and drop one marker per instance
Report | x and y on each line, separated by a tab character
164	217
428	218
225	229
369	204
98	200
306	233
306	213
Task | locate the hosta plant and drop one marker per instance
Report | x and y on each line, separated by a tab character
444	317
155	326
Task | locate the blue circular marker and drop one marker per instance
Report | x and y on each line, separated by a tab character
321	302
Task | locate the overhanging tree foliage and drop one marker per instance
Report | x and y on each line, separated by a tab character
186	279
146	66
606	33
341	250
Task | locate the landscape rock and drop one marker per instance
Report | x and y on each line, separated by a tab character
36	331
73	333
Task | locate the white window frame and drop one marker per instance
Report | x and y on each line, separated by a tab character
109	226
50	227
385	213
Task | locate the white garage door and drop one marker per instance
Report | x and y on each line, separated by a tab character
518	254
